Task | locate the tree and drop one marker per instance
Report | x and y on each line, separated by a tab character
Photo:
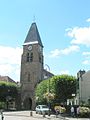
65	87
62	86
41	89
8	89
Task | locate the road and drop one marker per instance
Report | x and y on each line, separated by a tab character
25	115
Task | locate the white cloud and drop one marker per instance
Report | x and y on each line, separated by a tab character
10	59
86	62
87	58
5	69
70	49
66	51
86	53
88	20
55	53
64	72
80	35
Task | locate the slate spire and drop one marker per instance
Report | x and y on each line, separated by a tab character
33	35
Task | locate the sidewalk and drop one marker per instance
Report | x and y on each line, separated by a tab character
77	118
68	118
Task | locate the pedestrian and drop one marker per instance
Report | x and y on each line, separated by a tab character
78	111
72	111
57	112
2	117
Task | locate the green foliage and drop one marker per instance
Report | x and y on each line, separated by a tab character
40	90
63	86
84	112
2	105
7	89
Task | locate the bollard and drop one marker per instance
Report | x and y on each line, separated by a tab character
31	114
49	113
43	114
2	117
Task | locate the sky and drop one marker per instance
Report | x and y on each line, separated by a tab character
64	27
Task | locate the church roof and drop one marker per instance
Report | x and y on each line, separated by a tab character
33	35
47	74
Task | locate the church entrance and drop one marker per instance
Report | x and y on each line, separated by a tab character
28	104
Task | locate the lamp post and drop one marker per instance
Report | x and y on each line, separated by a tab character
48	87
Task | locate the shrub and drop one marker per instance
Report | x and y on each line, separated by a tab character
61	109
84	112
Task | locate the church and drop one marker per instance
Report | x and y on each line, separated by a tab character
32	67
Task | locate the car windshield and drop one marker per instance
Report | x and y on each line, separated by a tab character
44	106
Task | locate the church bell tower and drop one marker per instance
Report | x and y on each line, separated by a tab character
31	67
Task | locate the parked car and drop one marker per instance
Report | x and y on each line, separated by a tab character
40	109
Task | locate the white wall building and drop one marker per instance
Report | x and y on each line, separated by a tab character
83	87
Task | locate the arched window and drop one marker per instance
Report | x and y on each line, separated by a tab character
31	57
27	57
29	77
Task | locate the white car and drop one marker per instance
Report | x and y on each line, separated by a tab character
42	109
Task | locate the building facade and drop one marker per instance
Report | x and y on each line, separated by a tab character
32	70
83	87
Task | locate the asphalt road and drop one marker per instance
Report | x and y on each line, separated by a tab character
25	115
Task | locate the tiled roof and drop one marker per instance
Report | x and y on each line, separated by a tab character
6	79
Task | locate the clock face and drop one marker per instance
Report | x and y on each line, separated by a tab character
30	47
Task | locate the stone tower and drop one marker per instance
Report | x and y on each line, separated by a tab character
31	67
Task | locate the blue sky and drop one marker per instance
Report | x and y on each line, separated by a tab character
64	27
